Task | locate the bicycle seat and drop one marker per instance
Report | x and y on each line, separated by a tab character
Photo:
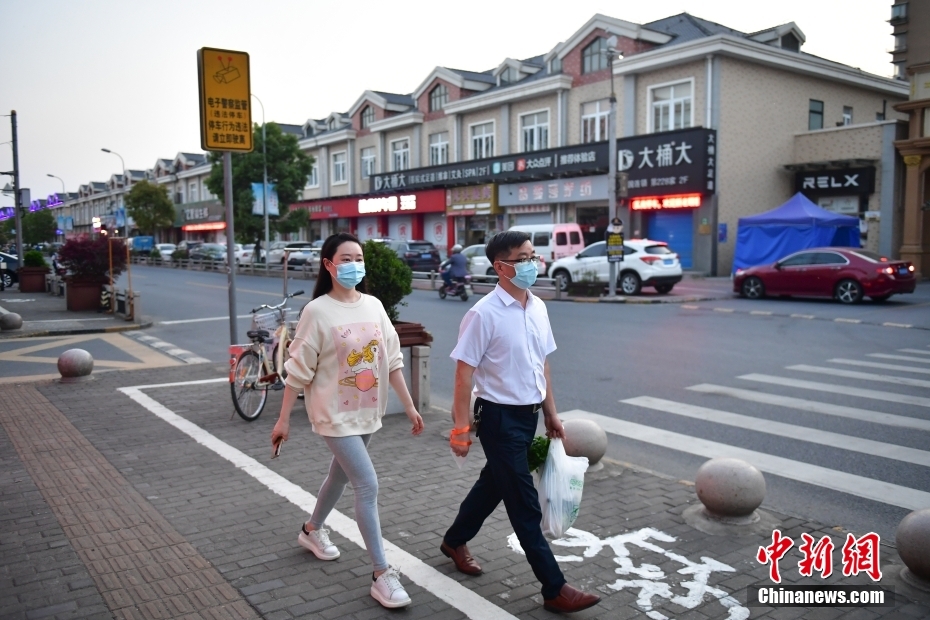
258	334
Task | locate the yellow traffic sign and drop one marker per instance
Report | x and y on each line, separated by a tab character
225	100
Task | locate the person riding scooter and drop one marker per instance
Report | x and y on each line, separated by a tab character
457	266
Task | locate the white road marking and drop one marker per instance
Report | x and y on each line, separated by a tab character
800	433
847	321
723	310
921	351
890	397
904	325
802	316
903	358
854	413
211	318
836	360
424	575
885	492
761	312
166	347
864	376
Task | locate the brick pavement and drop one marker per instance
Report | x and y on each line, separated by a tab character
182	498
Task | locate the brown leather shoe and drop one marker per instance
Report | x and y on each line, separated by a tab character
462	558
571	599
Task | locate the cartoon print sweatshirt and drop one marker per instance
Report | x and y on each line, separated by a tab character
341	357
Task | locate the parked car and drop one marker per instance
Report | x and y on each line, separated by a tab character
9	273
419	255
845	274
275	252
299	252
479	265
645	263
209	252
553	241
165	249
242	252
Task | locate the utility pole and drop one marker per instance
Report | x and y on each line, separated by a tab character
17	195
264	184
612	156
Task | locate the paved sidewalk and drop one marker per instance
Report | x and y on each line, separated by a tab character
47	315
161	503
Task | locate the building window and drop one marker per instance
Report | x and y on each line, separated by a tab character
400	154
671	106
535	131
339	168
847	115
439	148
815	115
899	11
482	141
438	97
594	57
313	179
791	43
509	76
368	162
555	66
900	72
368	116
900	42
879	116
594	120
192	192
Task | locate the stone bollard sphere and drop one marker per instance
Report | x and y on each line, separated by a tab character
913	540
75	365
585	438
10	321
729	487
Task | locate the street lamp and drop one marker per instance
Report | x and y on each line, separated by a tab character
60	179
126	180
611	52
264	182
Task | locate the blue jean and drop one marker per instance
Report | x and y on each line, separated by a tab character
505	437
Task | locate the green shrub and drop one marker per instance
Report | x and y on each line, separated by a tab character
154	253
180	255
387	277
34	258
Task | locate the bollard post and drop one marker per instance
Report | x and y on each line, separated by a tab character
419	377
558	287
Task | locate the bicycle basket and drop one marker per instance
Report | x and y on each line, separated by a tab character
267	321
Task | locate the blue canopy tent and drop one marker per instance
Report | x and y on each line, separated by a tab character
798	224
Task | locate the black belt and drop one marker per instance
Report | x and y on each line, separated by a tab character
515	408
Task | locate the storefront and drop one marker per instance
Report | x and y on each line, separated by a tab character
845	190
413	215
202	221
473	213
574	199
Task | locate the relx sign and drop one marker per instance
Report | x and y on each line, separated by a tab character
669	162
844	181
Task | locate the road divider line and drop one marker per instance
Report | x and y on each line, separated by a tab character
442	587
760	312
724	310
890	397
799	433
690	307
853	413
238	290
801	316
903	358
863	376
865	364
846	320
860	486
903	325
920	351
204	320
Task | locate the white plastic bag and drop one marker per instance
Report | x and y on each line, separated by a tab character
560	487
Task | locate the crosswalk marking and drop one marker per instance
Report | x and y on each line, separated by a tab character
800	433
885	492
921	351
838	360
864	376
890	397
854	413
903	358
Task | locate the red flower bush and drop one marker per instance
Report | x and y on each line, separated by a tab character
89	259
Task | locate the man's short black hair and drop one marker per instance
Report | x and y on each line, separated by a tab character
500	244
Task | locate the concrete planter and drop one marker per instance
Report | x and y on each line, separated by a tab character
83	295
32	279
586	289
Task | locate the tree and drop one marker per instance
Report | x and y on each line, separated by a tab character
293	221
288	169
148	204
39	227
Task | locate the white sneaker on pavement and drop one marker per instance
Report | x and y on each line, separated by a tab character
388	591
318	543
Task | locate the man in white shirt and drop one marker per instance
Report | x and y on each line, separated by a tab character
503	343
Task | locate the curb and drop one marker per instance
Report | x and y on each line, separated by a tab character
806	317
145	324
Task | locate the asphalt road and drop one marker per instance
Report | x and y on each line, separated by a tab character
835	446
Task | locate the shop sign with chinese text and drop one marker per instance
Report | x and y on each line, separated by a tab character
225	100
572	189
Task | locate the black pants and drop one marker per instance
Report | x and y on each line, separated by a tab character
505	436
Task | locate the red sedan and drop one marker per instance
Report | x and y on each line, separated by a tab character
845	274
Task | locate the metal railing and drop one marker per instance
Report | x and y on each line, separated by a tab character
306	271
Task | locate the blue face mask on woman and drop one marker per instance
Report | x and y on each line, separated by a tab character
350	274
524	274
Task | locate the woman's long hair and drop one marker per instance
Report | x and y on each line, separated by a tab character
324	281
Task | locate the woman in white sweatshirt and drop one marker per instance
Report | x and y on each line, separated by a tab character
344	355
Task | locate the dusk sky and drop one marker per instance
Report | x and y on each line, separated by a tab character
88	74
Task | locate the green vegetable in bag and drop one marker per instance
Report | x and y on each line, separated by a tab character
537	452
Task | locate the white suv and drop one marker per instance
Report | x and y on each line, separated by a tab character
645	263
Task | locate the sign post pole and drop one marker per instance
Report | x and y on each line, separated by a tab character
612	159
230	244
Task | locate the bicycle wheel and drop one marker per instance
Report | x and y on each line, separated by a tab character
248	400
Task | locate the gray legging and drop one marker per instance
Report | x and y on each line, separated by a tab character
351	463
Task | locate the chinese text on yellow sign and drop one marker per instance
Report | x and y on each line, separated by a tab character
225	105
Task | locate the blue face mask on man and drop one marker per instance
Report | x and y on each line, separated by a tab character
524	274
350	274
